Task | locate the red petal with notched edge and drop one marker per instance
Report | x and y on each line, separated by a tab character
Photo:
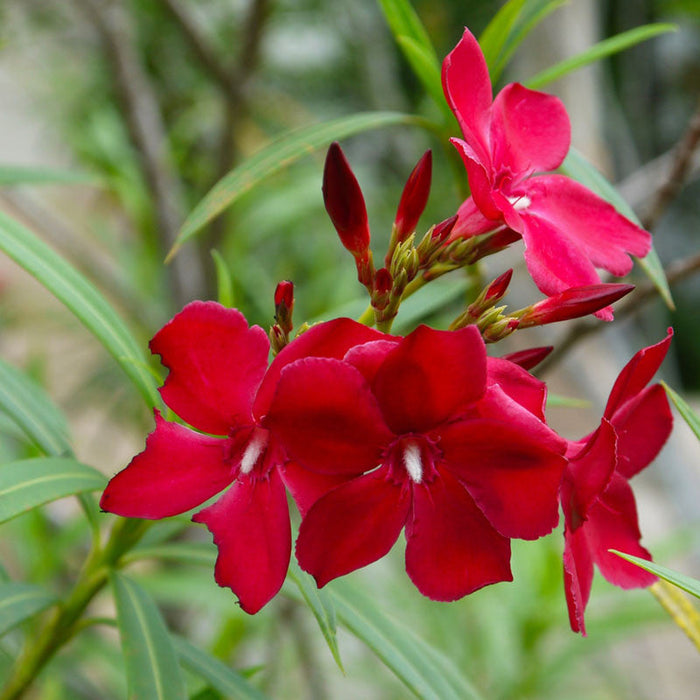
643	426
178	470
578	577
519	384
216	364
588	473
331	339
612	524
467	87
429	376
352	526
250	525
530	131
452	550
327	418
306	487
512	478
637	373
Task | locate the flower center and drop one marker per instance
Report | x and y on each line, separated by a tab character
520	202
412	462
414	456
253	450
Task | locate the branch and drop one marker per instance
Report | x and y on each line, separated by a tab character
148	133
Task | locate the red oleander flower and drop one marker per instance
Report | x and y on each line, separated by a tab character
598	503
219	382
419	437
568	231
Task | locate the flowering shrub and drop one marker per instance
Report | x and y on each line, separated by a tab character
311	447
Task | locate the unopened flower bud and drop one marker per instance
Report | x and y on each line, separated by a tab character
572	303
500	329
383	283
491	295
414	197
344	202
527	359
284	304
442	230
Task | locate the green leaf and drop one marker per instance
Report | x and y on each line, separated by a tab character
81	297
601	50
274	157
22	175
566	401
494	37
685	583
31	482
517	22
197	553
152	670
215	672
19	601
223	280
422	669
579	168
33	411
404	22
690	417
321	606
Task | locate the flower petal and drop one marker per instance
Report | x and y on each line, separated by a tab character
178	470
578	577
467	87
480	176
330	339
588	473
306	487
327	418
250	525
511	475
430	376
519	384
352	526
216	364
530	131
637	373
606	237
452	549
368	357
612	524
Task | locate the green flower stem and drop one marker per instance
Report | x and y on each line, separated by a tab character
64	620
367	316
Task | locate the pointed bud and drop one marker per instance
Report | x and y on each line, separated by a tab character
414	197
500	329
344	202
284	305
527	359
442	231
383	283
492	294
572	303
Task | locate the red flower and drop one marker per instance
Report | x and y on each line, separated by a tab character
568	231
598	503
417	439
220	383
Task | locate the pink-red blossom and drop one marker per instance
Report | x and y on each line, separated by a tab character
425	434
219	382
568	231
598	503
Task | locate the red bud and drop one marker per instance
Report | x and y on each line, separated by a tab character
344	202
573	303
414	197
498	287
284	305
527	359
442	230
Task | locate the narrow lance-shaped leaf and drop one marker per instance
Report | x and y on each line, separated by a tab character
690	417
224	286
20	601
152	669
686	583
81	297
577	167
282	152
321	606
29	483
404	21
422	669
13	175
215	672
601	50
33	411
497	31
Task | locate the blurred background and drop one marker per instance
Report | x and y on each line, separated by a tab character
148	104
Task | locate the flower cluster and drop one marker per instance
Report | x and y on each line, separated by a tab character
373	433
